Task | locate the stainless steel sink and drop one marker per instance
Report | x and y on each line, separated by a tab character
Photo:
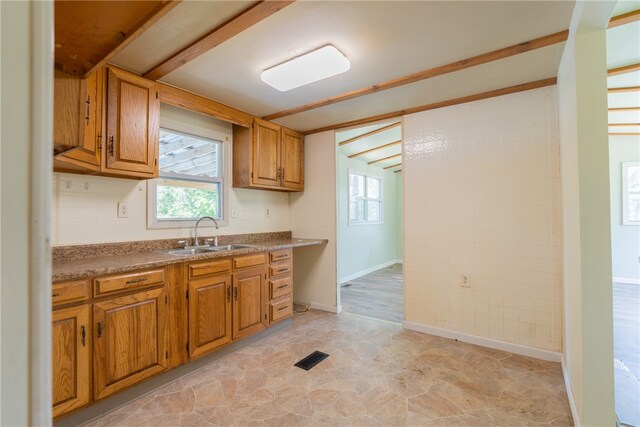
195	250
230	247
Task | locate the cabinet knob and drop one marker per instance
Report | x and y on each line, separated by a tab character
99	329
83	334
111	145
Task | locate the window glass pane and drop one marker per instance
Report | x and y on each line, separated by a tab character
356	211
188	155
373	188
177	199
374	211
356	185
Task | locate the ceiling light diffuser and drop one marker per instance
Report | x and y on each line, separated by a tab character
318	64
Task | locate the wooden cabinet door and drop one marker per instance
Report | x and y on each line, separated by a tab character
265	154
87	155
292	150
209	314
132	128
248	302
129	340
70	358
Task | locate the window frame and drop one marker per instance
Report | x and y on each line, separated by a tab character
190	129
366	199
626	193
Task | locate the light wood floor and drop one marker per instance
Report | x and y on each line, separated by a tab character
626	350
377	295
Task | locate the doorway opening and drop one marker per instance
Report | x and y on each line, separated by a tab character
370	220
624	168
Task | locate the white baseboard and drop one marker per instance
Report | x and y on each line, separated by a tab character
324	307
626	281
522	350
572	402
368	270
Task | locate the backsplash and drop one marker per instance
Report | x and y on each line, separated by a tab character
482	199
85	210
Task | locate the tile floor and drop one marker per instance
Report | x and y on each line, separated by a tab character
377	294
626	352
378	374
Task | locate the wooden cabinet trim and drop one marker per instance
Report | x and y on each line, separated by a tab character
70	292
248	302
126	282
280	287
216	313
280	268
280	255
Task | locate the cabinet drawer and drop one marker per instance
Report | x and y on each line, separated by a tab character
209	268
280	309
130	281
68	292
280	268
279	287
279	255
248	261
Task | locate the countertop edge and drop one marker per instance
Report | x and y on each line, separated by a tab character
80	272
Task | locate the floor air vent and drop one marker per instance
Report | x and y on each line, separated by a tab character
311	360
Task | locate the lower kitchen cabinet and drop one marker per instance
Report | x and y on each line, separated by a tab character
70	358
129	340
248	308
209	314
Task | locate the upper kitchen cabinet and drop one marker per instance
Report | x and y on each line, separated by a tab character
268	156
77	121
132	125
110	119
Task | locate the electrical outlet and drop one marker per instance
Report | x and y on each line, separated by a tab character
234	212
466	281
123	210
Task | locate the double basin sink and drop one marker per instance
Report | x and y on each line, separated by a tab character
195	250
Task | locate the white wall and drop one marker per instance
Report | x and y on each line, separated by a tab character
26	76
625	239
588	317
399	216
482	199
363	247
313	215
85	207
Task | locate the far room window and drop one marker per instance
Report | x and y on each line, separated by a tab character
190	185
365	199
631	193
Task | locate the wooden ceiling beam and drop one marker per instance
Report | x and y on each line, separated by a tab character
470	98
623	70
392	166
614	109
137	31
232	27
625	133
373	162
624	89
371	150
506	52
399	170
625	18
623	124
373	132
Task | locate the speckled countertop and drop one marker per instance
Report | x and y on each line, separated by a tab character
83	267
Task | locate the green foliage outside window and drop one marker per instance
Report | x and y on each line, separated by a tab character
176	202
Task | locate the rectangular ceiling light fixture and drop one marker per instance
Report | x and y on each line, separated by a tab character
318	64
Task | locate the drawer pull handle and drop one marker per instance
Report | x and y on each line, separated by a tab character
282	286
283	308
228	293
55	295
280	270
235	291
130	282
99	329
83	334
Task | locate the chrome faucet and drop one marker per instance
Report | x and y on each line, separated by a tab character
196	230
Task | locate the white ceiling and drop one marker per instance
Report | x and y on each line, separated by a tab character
382	39
377	140
623	48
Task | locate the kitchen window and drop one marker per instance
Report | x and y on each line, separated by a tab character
190	183
365	199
